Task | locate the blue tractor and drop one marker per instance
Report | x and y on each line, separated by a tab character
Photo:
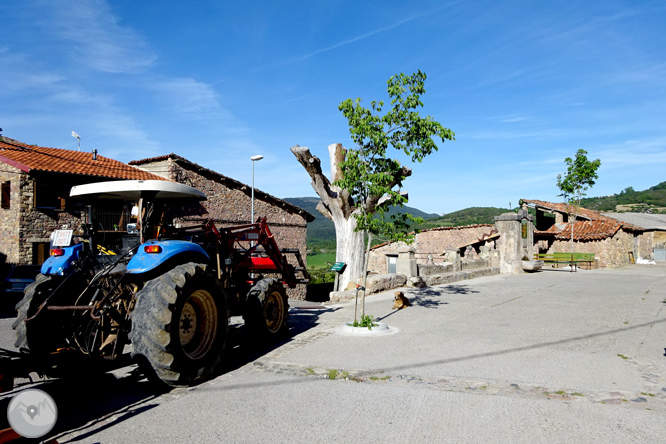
168	293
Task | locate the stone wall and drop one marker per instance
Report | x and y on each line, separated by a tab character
9	217
645	245
610	252
432	242
22	226
229	206
613	251
36	225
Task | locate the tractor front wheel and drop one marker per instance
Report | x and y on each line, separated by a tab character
179	325
267	309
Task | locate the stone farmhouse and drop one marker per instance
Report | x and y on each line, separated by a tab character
614	241
35	183
654	226
229	203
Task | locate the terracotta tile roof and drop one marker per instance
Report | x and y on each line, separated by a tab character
596	227
36	158
484	237
583	213
458	228
583	230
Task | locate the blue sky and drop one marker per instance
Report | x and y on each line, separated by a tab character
523	84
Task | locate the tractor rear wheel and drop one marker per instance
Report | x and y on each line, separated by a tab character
267	309
179	325
41	335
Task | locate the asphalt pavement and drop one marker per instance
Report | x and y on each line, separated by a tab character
546	357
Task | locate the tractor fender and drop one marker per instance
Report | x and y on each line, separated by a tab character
62	265
144	261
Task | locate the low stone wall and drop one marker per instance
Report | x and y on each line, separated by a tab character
447	278
430	269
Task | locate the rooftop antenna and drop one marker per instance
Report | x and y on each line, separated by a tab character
78	137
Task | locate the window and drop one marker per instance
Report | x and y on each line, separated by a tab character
6	194
49	195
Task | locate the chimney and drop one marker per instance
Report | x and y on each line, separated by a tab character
94	153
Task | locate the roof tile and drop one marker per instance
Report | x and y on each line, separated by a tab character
596	227
36	158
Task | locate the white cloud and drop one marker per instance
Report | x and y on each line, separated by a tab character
100	41
190	98
648	152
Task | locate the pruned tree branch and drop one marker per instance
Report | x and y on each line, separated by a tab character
333	199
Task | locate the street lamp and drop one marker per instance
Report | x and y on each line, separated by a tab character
254	159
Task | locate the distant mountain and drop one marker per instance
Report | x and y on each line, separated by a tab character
323	230
651	200
468	216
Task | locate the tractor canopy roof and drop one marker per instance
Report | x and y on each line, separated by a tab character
135	189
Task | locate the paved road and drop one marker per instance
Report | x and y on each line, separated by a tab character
546	357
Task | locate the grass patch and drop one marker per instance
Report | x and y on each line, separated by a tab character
622	356
577	394
332	374
321	260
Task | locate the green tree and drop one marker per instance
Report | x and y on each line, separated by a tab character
367	174
365	181
580	177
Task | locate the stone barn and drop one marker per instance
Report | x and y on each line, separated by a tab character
35	183
229	203
431	246
613	242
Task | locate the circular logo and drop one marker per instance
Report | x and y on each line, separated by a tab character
32	413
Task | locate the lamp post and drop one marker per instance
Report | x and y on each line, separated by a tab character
254	159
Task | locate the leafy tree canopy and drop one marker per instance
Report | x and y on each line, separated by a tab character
368	174
580	176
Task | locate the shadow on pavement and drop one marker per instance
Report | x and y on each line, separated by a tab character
86	402
244	348
95	402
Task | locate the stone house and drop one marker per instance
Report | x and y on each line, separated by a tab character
432	245
229	203
654	226
614	242
35	184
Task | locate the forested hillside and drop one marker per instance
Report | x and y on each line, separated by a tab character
652	199
468	216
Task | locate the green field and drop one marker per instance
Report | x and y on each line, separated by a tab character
320	260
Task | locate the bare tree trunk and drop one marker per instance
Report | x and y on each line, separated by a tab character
349	249
337	205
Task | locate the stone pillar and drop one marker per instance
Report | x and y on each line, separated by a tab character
406	262
453	256
516	240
